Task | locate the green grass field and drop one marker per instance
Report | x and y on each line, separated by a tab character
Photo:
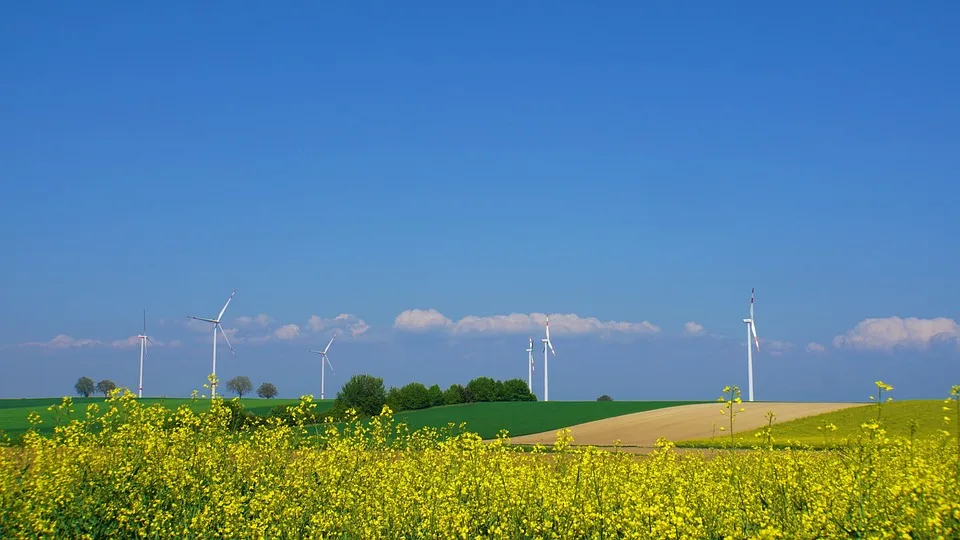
486	419
896	418
13	412
524	418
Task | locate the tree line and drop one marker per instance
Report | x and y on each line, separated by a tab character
367	394
238	385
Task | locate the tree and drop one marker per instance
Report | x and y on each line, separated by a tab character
240	385
84	386
410	397
604	398
267	390
365	393
436	395
455	395
516	390
106	386
482	389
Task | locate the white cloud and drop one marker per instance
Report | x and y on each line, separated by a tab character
63	341
693	328
421	319
887	333
130	342
343	322
261	320
814	347
560	323
287	332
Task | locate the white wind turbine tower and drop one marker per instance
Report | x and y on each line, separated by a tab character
751	333
324	361
546	343
530	368
216	326
143	349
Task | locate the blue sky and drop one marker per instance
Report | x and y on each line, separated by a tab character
628	162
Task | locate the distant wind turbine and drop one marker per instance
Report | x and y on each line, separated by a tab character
751	333
530	368
143	338
324	360
547	343
216	326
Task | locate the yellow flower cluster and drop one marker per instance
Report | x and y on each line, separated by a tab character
145	471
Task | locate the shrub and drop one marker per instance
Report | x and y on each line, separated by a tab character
604	398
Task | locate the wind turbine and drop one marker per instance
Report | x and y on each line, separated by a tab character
324	361
216	326
751	332
530	368
143	350
546	343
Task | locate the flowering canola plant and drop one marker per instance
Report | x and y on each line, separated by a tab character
141	471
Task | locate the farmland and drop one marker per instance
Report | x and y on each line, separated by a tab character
14	412
186	474
522	418
485	419
920	419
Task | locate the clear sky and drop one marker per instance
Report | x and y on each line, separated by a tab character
629	161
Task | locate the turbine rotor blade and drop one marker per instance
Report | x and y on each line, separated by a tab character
202	319
753	328
225	338
328	344
327	359
551	347
751	302
148	339
225	305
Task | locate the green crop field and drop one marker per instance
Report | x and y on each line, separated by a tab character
925	417
14	412
526	417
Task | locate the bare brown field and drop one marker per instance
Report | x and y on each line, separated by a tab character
702	421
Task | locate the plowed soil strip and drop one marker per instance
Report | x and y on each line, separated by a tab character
681	423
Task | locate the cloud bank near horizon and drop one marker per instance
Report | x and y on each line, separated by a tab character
419	320
883	334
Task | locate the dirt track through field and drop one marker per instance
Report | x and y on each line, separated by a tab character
680	423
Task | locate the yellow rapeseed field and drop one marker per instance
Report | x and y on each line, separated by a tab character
141	471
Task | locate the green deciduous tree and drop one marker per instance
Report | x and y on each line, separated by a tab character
604	398
410	397
455	395
436	395
365	393
516	390
267	390
85	386
106	386
240	385
483	389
